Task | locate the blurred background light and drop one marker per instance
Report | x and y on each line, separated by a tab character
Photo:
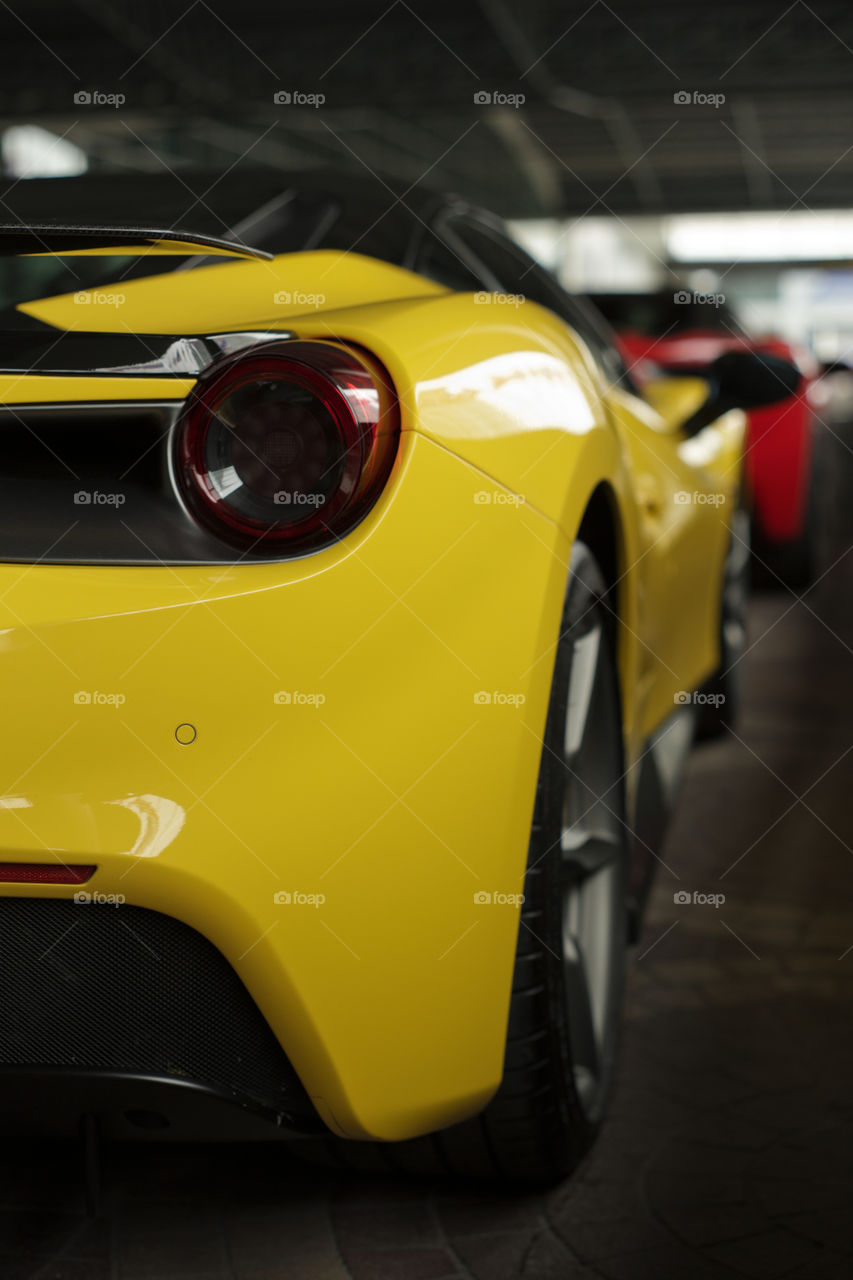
28	151
798	235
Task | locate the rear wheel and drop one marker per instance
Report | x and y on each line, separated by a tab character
569	968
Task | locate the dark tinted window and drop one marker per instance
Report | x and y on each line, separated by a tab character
514	271
503	262
438	262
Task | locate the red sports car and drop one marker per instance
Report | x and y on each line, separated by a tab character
683	333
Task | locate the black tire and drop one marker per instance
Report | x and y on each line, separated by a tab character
790	564
569	968
720	697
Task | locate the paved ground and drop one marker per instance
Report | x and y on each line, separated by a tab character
729	1151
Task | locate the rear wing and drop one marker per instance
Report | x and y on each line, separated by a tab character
19	238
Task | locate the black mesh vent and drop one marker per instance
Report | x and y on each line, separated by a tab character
127	989
91	485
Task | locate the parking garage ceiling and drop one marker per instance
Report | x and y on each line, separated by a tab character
643	107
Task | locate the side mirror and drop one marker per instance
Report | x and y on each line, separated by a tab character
745	380
749	379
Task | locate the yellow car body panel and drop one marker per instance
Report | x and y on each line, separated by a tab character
398	781
19	389
392	1001
231	295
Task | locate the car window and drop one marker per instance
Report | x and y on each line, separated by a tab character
506	266
437	262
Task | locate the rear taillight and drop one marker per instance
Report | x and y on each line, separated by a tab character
284	447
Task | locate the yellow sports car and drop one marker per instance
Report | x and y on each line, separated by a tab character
356	614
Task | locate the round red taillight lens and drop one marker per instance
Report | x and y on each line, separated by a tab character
285	446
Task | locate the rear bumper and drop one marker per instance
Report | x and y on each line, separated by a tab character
102	1005
330	858
133	1108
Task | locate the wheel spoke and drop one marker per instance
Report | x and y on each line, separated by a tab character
585	658
585	1053
586	852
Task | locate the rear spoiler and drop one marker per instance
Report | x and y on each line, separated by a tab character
20	238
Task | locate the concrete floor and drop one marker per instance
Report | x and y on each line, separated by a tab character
729	1148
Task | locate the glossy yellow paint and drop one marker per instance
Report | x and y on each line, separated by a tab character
676	399
528	408
685	489
19	388
387	785
228	296
391	999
